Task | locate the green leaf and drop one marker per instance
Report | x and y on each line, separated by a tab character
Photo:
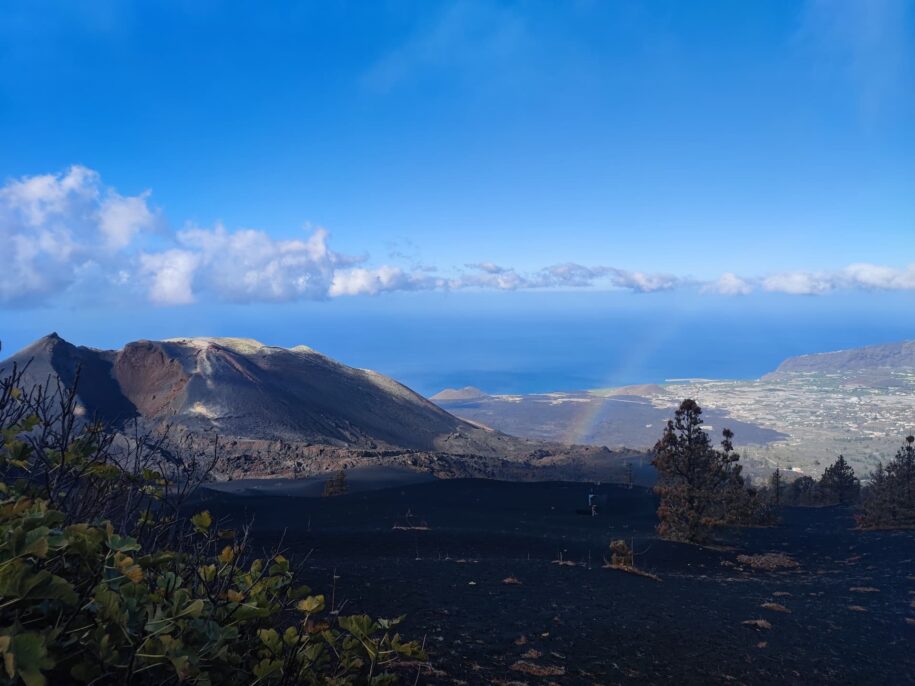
202	521
26	654
358	625
122	544
266	668
311	604
194	608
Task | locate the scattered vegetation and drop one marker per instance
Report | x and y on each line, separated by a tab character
103	579
622	558
775	607
532	669
885	501
757	624
803	491
837	486
701	487
336	485
411	523
621	554
769	562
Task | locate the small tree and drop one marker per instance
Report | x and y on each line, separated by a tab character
336	485
839	482
889	499
775	486
804	490
700	487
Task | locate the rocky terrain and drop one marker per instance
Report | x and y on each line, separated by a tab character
292	412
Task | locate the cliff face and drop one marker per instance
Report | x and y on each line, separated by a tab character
891	356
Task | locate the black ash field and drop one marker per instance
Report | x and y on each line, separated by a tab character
441	553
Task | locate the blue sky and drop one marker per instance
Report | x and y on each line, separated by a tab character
178	160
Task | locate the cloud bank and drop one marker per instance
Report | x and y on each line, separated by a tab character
71	233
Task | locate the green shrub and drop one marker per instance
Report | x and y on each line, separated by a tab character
145	595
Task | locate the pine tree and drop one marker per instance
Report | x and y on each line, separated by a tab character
804	490
889	500
839	482
775	484
700	487
737	502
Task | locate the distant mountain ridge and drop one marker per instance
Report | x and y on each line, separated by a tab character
279	409
465	393
889	356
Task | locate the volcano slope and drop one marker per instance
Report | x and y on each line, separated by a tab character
293	412
441	552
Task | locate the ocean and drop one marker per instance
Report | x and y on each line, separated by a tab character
519	342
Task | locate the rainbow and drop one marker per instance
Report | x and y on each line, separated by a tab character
590	414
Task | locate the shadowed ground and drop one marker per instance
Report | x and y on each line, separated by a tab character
584	624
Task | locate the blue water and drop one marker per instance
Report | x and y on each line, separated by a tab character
519	342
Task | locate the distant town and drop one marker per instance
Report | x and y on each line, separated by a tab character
822	415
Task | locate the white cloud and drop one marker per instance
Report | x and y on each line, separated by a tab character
729	284
799	283
121	219
56	227
645	283
565	275
854	276
170	275
70	232
363	281
879	277
249	265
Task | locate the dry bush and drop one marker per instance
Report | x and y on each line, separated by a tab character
621	554
757	623
622	558
769	562
775	607
537	670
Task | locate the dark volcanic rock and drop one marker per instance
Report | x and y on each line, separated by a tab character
51	358
601	626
